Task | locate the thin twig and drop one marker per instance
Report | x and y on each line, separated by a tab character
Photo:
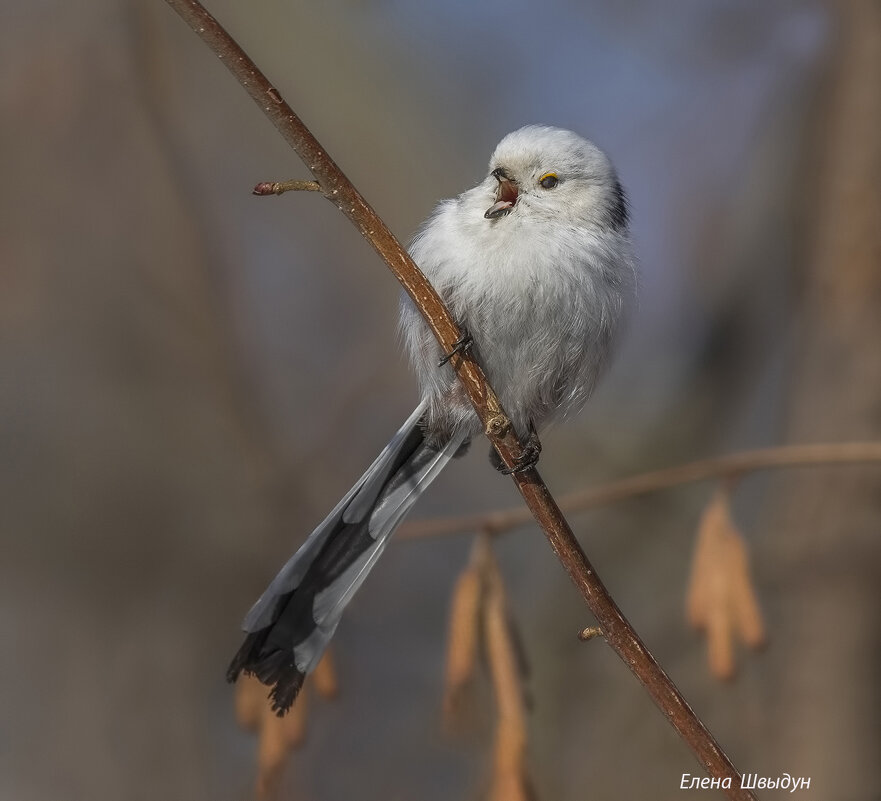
735	464
339	190
280	187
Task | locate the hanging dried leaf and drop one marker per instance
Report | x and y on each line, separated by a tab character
697	601
461	640
748	618
511	780
721	600
463	629
250	700
324	678
278	736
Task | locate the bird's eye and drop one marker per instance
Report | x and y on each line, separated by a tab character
549	180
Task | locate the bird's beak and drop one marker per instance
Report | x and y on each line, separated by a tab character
506	196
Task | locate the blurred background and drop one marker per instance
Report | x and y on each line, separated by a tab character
191	377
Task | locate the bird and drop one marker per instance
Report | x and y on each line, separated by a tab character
536	264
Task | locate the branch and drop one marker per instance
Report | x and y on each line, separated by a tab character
731	466
339	190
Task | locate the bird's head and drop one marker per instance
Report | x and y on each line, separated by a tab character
539	173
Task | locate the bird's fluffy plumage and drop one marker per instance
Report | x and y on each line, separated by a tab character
535	262
541	290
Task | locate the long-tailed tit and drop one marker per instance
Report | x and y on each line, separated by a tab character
535	263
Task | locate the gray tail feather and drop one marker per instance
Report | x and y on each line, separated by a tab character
292	623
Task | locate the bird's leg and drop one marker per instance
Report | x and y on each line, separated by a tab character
528	458
461	345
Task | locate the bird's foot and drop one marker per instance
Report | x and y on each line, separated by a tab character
529	454
461	345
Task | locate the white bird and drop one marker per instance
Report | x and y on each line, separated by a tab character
535	263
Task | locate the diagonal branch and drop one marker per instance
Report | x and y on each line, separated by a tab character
339	190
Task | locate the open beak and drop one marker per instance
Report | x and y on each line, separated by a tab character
506	196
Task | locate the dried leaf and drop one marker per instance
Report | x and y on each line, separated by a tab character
277	736
461	639
324	678
747	614
250	699
707	554
272	752
720	598
720	645
293	731
464	628
511	780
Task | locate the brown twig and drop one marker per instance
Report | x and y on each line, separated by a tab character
280	187
733	465
339	190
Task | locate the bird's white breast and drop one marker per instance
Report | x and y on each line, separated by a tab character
541	299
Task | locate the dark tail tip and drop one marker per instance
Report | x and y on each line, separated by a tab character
276	669
286	689
246	656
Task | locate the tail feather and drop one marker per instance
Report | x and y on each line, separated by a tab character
292	623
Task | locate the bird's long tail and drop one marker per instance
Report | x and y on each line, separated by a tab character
291	624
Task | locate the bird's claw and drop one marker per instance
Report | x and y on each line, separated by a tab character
461	345
528	458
